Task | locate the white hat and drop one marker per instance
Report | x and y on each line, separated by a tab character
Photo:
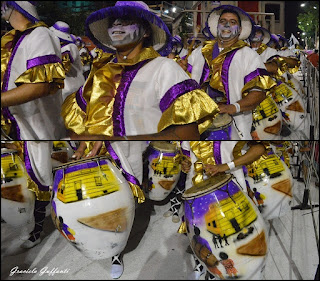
27	8
62	31
246	21
97	25
266	34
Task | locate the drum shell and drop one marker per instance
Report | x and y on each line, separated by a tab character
219	133
106	238
158	177
249	265
17	201
276	202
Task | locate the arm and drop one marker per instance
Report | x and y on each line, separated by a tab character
271	67
249	102
25	93
253	154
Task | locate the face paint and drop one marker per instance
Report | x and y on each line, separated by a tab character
122	33
258	37
5	11
225	31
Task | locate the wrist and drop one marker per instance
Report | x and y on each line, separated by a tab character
231	165
237	106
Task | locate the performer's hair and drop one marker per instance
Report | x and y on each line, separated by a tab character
232	12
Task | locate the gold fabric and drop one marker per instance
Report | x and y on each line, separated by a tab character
40	195
262	48
66	62
194	106
263	82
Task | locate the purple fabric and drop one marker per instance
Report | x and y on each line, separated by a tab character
22	11
128	177
205	73
30	170
42	60
70	56
154	153
217	152
176	91
221	134
254	74
80	100
120	98
189	68
225	72
61	28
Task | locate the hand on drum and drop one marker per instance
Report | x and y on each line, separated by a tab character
212	170
79	153
227	108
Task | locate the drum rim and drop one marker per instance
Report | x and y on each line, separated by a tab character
211	129
5	150
228	178
81	161
173	150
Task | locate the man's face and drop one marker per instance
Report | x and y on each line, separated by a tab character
5	11
228	26
125	32
258	37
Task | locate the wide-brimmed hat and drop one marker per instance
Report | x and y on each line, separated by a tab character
274	38
62	31
247	22
207	34
196	41
27	8
283	41
266	34
97	25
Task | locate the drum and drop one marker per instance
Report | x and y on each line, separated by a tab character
226	231
17	201
270	186
220	128
93	206
267	120
163	169
292	107
61	153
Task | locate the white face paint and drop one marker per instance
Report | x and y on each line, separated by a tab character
228	26
121	34
5	11
258	37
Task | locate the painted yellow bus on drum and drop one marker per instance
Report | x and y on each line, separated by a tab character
265	109
227	217
166	166
11	167
87	183
268	167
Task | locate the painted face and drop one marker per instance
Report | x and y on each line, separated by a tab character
228	26
258	37
124	32
5	11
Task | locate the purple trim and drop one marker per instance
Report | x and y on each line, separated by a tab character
254	74
176	91
225	72
30	170
154	153
42	60
217	152
81	100
189	68
127	10
128	177
70	56
61	28
205	73
120	98
22	11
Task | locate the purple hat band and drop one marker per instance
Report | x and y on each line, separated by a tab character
23	10
61	28
135	4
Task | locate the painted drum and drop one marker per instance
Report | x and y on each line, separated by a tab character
92	206
163	169
226	231
61	153
294	83
270	186
292	107
267	120
17	201
220	128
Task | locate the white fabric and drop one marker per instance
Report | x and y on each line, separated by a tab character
142	113
268	53
40	118
183	53
40	158
244	62
286	53
74	78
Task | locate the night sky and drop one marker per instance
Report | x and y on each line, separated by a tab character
292	9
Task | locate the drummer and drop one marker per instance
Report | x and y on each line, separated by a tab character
212	157
238	80
126	155
148	96
37	159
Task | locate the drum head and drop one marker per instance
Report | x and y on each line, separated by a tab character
163	146
80	161
207	186
221	121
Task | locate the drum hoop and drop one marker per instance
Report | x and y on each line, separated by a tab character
223	126
173	150
81	161
8	151
229	177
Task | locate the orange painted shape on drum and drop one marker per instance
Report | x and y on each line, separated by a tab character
295	106
61	156
275	129
13	193
167	185
283	186
256	247
112	221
